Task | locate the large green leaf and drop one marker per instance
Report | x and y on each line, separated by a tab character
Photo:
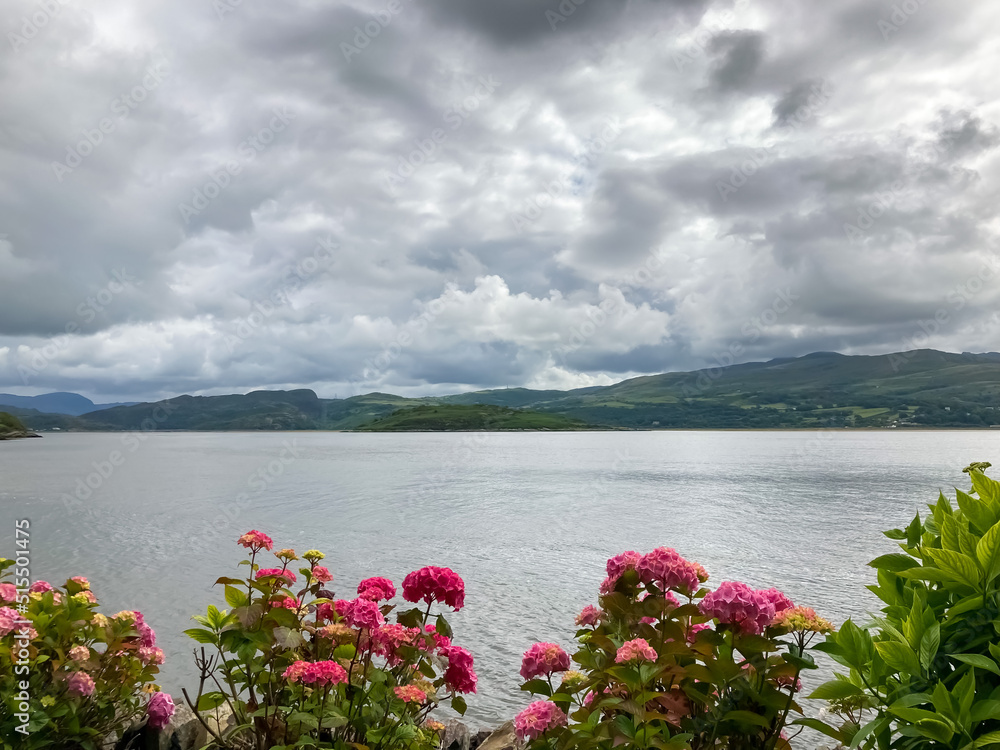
962	567
929	644
977	511
894	562
899	656
987	489
835	690
988	552
979	661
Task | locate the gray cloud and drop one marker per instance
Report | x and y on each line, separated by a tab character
445	175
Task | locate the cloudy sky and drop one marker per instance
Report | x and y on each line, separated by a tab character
210	196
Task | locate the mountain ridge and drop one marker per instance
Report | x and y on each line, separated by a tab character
923	387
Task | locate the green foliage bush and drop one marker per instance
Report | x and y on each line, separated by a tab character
926	672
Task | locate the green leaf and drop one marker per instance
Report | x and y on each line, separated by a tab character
929	644
897	534
344	651
458	703
537	687
976	511
288	638
211	700
991	738
898	656
968	604
441	627
979	661
987	489
962	567
983	710
988	552
913	532
936	730
301	717
819	726
894	562
234	597
202	636
835	690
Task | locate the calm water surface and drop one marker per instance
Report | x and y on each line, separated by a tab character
527	519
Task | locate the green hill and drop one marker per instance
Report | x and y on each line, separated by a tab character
919	388
451	417
12	427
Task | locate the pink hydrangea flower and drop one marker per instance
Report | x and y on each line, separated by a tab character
543	659
80	684
146	633
79	653
538	718
736	604
277	573
150	655
664	566
589	616
365	614
376	589
432	584
321	574
388	639
410	694
316	673
159	710
459	676
618	564
635	650
256	541
40	587
287	602
8	618
440	641
779	600
8	592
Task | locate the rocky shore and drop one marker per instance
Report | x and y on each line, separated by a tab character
18	435
186	732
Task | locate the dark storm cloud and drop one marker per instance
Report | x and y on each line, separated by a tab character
379	194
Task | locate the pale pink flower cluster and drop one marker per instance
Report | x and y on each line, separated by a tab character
322	574
538	718
410	694
40	587
388	639
256	541
543	659
802	618
8	592
637	649
746	609
8	618
589	616
159	710
80	684
376	589
79	653
150	655
146	633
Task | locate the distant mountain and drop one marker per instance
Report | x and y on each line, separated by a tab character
918	388
72	404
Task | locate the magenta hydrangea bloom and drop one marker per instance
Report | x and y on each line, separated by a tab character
738	605
459	676
146	633
80	683
664	566
388	639
635	650
543	659
778	599
440	641
618	564
364	614
538	718
589	616
316	673
40	587
434	584
159	710
376	589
